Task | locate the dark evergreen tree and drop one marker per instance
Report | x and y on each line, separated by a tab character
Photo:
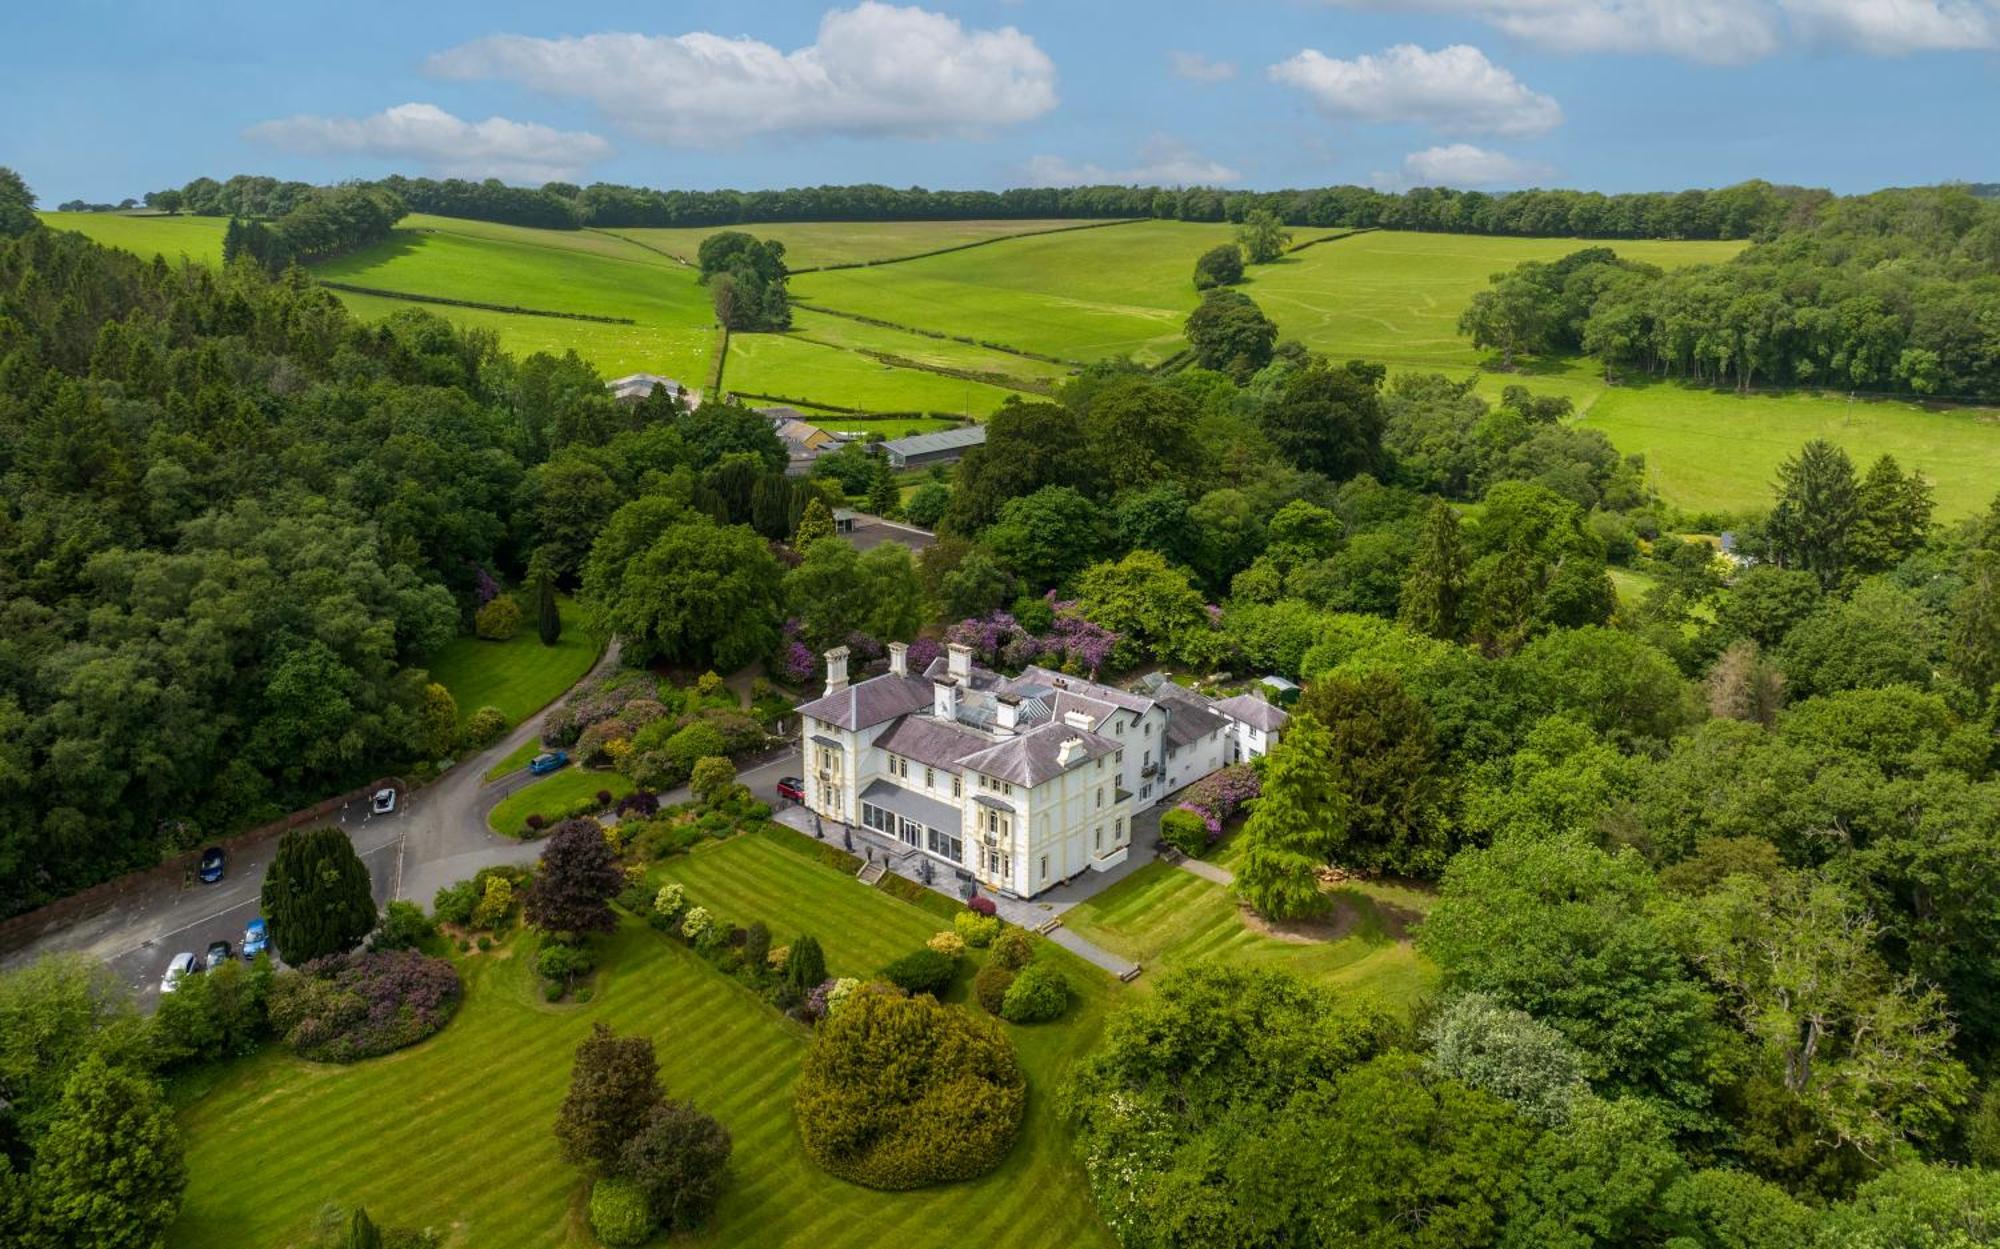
1974	646
1818	500
1385	760
1296	824
805	966
362	1232
572	890
680	1157
548	613
1434	588
1892	516
317	896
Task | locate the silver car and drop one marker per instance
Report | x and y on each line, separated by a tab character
383	802
178	969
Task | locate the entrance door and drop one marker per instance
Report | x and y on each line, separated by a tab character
911	833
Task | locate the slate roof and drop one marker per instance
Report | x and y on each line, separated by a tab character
1037	675
868	703
944	440
641	384
1254	711
1190	717
1030	758
1097	709
982	678
931	741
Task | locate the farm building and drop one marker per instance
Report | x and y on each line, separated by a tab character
923	450
635	387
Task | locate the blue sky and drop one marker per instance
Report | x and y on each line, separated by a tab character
111	100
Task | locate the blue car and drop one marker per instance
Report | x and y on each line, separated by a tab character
547	762
211	867
255	937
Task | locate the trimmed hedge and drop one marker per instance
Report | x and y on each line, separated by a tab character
922	971
902	1092
620	1214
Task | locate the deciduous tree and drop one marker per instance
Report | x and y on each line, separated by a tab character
572	889
613	1088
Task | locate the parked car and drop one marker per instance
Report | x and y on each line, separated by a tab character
792	787
547	762
212	864
179	968
255	937
218	953
383	802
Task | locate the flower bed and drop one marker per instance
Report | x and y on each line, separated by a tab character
347	1007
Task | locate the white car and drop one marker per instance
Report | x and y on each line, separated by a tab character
383	802
182	965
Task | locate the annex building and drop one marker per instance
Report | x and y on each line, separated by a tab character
1021	782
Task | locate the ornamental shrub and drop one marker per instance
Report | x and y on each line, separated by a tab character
495	905
404	927
982	904
671	900
564	964
453	904
902	1092
711	776
978	930
499	620
348	1007
620	1214
921	971
805	967
487	725
679	1159
1013	950
990	987
949	944
841	991
756	947
536	820
1184	830
1040	993
698	925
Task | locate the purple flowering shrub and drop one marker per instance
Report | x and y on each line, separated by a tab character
484	587
923	653
1219	795
813	1009
347	1007
1072	643
795	662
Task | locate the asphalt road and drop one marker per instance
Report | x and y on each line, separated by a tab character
437	836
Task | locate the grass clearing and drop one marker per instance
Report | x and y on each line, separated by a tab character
197	238
430	1136
1163	917
810	244
788	365
519	676
551	797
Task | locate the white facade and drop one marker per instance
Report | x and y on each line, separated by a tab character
1020	783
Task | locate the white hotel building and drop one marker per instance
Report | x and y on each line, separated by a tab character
1020	782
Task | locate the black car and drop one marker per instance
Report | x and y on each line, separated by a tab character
212	862
218	953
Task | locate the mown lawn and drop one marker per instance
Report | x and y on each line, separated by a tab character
455	1133
197	238
551	796
1163	917
519	676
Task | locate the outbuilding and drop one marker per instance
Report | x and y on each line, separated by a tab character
943	447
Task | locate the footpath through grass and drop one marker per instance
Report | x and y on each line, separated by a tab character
1162	917
519	676
455	1133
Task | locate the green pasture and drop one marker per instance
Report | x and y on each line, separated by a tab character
785	364
925	350
519	676
197	238
551	797
813	243
675	351
455	1133
1163	917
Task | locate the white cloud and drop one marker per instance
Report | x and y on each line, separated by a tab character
1195	67
1162	162
1454	89
1463	165
1728	31
513	151
875	69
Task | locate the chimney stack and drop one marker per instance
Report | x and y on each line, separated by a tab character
836	670
1070	751
944	698
899	659
960	660
1006	713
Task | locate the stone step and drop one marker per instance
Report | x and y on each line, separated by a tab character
1131	974
870	873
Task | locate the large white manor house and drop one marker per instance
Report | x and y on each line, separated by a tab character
1022	782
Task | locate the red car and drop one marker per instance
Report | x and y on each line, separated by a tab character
792	787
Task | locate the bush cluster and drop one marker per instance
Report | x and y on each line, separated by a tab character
352	1006
990	987
902	1092
921	971
1039	993
977	930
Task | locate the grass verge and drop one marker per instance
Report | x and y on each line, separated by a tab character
551	797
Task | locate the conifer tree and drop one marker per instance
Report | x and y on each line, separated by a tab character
317	896
1816	507
805	966
362	1232
1434	588
1892	516
1300	818
814	524
548	616
884	499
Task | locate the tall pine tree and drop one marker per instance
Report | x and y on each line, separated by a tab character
1298	821
1818	500
548	616
1892	516
1434	587
317	896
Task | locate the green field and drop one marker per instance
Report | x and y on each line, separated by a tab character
455	1133
1162	917
781	364
813	243
519	676
197	238
551	797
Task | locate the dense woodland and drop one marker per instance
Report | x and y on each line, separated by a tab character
1895	291
1748	210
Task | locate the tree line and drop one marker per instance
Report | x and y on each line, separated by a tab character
1895	291
319	227
1746	210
